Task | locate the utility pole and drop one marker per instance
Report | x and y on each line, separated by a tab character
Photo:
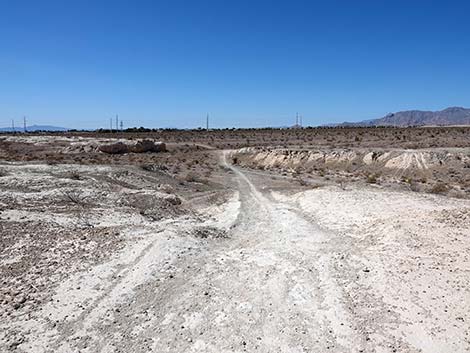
121	126
296	119
111	124
301	121
207	122
13	125
24	124
117	127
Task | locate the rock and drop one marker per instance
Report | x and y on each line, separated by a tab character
147	146
115	148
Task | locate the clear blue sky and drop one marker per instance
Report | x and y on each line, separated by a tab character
247	63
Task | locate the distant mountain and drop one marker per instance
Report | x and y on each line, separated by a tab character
33	128
449	116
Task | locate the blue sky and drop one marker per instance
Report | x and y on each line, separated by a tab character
247	63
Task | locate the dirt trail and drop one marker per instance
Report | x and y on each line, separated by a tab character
268	288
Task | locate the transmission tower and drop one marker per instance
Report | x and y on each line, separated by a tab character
207	122
121	126
117	120
111	124
13	125
24	124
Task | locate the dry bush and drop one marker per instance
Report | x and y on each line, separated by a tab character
147	167
372	178
74	175
190	178
301	181
74	197
407	180
416	187
3	173
439	188
154	207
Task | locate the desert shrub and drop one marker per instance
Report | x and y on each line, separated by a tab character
75	197
416	187
407	180
372	178
154	167
3	173
297	170
190	178
439	188
74	175
301	181
147	167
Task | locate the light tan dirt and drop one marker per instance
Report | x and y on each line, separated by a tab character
356	269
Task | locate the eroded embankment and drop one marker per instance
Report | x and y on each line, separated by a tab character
430	170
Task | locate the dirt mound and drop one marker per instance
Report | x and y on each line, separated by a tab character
420	169
393	159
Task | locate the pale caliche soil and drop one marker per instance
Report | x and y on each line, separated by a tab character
404	264
290	269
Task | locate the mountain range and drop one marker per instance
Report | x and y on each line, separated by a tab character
33	128
446	117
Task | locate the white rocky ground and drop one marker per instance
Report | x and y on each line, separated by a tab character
403	266
329	269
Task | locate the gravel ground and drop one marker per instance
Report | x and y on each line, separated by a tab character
274	266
